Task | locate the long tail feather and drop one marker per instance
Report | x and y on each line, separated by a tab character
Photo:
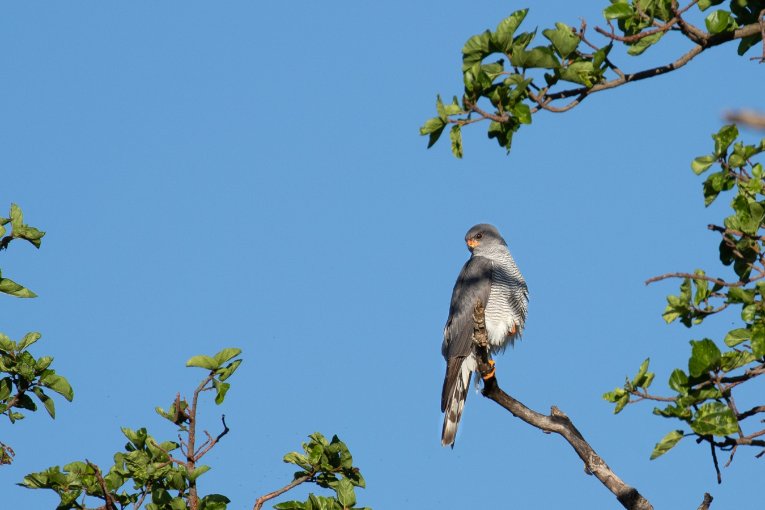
453	401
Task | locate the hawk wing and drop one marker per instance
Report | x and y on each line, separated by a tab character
473	284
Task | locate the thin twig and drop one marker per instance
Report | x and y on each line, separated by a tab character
718	281
207	446
750	412
271	495
714	460
108	501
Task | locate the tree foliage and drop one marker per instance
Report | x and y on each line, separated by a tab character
509	74
164	475
23	376
704	399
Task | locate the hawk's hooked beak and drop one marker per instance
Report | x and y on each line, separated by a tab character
472	243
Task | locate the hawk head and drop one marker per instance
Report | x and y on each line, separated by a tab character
483	235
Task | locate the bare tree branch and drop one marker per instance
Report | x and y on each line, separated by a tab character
747	118
557	422
271	495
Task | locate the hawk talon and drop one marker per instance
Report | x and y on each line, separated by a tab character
490	374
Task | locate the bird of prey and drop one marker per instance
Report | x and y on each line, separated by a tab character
491	276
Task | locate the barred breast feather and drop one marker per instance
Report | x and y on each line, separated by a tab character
508	300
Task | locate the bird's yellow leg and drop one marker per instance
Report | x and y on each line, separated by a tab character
490	374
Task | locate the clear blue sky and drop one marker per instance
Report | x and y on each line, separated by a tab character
250	174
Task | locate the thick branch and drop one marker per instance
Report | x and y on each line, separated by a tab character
557	422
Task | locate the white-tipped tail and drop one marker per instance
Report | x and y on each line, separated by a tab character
456	402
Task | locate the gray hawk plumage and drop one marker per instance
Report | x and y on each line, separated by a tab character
491	276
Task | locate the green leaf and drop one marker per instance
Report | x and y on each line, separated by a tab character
644	43
540	57
678	381
59	384
297	459
28	340
197	472
723	138
667	443
719	21
42	363
714	418
24	401
674	411
503	35
203	361
455	134
736	359
747	42
706	4
50	406
582	72
214	502
702	163
623	401
6	388
17	217
6	344
14	289
227	354
618	11
454	108
291	505
221	389
476	49
433	127
178	503
758	343
562	38
739	295
227	371
345	493
522	112
705	356
640	376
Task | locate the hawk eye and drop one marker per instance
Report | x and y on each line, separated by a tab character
479	235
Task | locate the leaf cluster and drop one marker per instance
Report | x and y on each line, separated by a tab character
328	464
703	398
144	462
162	474
24	376
507	78
19	230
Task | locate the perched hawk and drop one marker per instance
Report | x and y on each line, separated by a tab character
491	276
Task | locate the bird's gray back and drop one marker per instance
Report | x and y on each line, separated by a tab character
473	284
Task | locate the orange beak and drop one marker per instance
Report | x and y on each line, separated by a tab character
472	243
